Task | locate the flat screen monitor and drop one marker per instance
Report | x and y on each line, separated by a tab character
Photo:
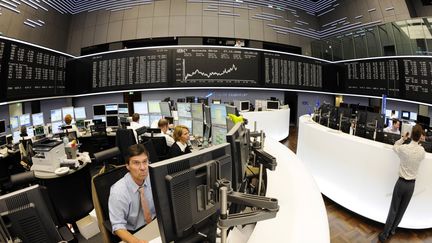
123	109
218	115
413	116
80	124
111	109
230	109
80	113
184	110
182	186
14	122
207	115
144	120
218	135
198	128
272	105
30	132
154	119
239	139
39	131
29	215
165	109
68	110
112	121
390	138
56	115
423	120
99	110
405	115
388	113
24	119
185	122
56	127
197	111
154	107
3	141
244	105
38	119
375	119
16	136
216	102
140	107
103	118
2	126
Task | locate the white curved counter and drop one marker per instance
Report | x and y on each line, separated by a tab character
360	174
275	123
302	216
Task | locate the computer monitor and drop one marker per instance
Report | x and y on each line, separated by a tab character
239	140
28	215
216	102
68	110
185	196
99	110
244	105
185	122
165	108
16	136
218	135
56	127
197	111
39	131
218	115
80	113
388	114
373	119
154	119
231	109
424	121
198	128
56	115
111	109
154	107
413	116
3	141
80	124
2	126
190	99
184	110
25	119
144	120
14	122
140	107
30	131
272	105
405	115
38	119
390	138
123	109
112	121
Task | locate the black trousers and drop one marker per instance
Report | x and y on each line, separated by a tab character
402	193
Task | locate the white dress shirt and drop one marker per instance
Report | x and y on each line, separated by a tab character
410	155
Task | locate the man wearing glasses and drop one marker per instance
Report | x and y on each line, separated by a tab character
131	201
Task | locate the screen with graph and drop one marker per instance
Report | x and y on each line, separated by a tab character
216	66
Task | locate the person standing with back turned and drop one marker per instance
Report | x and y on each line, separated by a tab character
410	155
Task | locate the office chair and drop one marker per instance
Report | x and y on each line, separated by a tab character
99	139
107	157
124	139
101	186
26	151
151	150
161	147
18	181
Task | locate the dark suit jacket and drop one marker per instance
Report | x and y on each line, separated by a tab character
176	151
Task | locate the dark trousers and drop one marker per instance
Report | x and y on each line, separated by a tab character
402	193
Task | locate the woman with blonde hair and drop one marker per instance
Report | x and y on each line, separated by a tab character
181	138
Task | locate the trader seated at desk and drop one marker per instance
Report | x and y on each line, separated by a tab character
135	124
130	202
394	127
163	126
181	138
73	131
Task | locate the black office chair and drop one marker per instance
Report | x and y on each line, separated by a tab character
99	139
161	147
107	158
151	150
124	139
101	186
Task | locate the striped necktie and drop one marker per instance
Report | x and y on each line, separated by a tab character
145	206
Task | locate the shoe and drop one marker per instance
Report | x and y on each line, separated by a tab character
382	237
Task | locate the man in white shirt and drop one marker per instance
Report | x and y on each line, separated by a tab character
394	127
163	125
411	155
135	124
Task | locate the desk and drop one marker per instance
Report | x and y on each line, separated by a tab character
360	174
149	232
302	216
275	124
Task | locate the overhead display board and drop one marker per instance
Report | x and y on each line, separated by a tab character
216	66
31	71
417	79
